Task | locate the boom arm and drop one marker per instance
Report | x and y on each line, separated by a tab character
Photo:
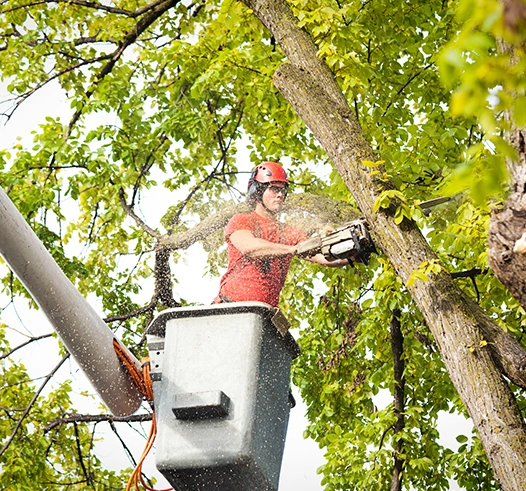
85	334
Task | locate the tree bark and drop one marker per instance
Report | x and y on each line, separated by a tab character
452	319
507	231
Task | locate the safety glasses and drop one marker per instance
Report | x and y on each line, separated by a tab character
278	189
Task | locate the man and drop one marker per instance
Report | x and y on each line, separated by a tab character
260	247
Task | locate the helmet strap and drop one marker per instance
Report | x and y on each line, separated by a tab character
273	213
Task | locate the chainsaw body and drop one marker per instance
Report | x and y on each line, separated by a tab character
352	241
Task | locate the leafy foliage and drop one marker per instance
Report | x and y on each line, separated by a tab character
64	459
184	110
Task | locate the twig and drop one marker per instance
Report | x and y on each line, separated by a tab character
123	443
20	346
134	313
30	405
149	162
193	191
397	346
399	92
472	275
79	452
29	93
142	24
131	213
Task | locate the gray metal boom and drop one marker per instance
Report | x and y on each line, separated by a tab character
85	334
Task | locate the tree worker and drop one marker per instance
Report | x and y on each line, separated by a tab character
260	247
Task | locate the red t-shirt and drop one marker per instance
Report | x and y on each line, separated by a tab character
260	280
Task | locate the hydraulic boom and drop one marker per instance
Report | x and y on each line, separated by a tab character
85	334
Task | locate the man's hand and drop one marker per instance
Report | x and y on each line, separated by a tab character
331	263
310	250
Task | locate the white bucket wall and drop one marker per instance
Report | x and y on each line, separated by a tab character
85	334
221	376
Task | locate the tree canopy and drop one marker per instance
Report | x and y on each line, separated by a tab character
374	107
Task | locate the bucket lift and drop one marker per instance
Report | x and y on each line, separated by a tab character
221	391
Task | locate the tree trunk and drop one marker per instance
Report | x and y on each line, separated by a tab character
507	231
507	246
453	320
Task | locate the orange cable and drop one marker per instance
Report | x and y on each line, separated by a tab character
143	383
138	378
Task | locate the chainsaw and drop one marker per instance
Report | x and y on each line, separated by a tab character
351	241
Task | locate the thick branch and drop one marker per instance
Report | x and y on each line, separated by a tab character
297	45
163	278
507	231
486	396
205	228
96	418
404	244
321	211
450	318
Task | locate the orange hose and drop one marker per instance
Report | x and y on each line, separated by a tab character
143	382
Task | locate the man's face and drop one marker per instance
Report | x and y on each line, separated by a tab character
274	196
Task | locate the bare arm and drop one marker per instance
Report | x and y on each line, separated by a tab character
248	245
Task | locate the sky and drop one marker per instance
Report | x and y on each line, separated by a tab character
301	457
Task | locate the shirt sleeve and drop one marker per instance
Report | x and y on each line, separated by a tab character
240	221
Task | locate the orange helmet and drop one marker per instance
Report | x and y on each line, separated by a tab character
261	177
